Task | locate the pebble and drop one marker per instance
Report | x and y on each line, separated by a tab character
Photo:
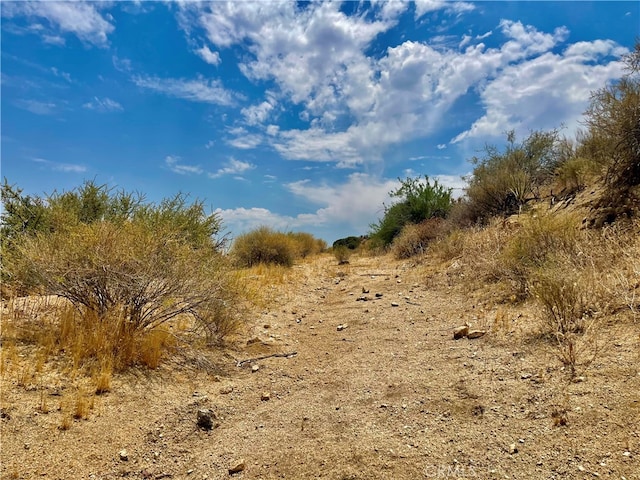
226	390
460	332
394	304
124	455
342	327
205	419
237	467
266	396
513	448
255	368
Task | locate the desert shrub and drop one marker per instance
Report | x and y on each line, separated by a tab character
564	294
613	122
574	175
503	181
539	241
264	245
342	253
415	239
419	200
143	277
306	244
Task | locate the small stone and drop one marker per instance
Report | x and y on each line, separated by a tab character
476	334
378	295
342	327
627	453
581	468
394	304
205	419
525	376
521	440
579	379
124	455
513	448
255	368
365	290
460	332
190	471
237	467
226	390
265	397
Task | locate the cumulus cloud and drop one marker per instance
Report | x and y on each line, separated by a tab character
83	19
212	58
196	90
545	91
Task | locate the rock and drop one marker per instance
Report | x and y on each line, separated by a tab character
476	334
265	397
205	419
342	327
460	332
226	390
378	295
365	290
124	455
255	368
237	467
513	448
363	299
394	304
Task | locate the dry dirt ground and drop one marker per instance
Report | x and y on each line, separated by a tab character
373	388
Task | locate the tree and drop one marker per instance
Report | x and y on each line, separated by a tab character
419	200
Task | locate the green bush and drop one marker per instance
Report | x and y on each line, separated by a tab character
352	243
420	200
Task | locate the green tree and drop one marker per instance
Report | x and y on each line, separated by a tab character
419	200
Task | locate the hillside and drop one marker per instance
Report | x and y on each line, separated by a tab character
369	383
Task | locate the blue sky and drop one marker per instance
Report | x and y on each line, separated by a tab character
300	116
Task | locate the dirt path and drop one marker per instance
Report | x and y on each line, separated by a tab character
377	389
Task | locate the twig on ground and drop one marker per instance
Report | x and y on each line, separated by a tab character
282	355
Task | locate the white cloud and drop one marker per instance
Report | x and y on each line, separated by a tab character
425	6
198	90
258	114
59	73
233	167
61	167
103	105
547	91
212	58
37	107
174	163
82	19
352	205
357	105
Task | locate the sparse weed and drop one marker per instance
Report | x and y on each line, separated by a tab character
564	296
